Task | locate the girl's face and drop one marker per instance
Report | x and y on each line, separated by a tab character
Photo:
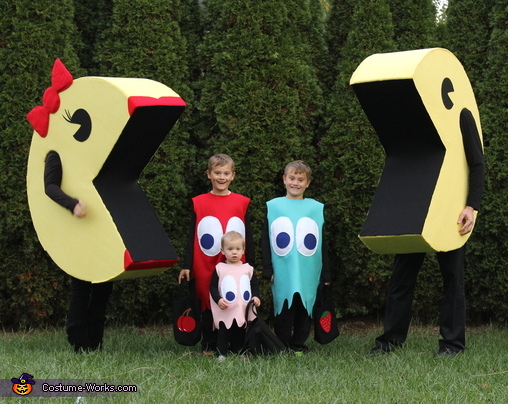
221	177
233	251
296	184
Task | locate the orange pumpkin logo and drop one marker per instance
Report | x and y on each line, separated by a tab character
23	385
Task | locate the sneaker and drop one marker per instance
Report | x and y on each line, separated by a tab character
221	358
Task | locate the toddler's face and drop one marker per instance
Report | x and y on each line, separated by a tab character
233	250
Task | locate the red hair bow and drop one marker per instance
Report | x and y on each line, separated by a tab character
61	79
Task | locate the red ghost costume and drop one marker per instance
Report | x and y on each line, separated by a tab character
215	216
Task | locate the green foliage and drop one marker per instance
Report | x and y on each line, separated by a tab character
266	81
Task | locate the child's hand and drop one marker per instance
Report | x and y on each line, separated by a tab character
184	274
256	301
222	304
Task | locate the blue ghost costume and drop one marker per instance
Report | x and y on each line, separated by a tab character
295	253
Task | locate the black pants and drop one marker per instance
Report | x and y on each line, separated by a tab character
400	298
293	325
87	314
208	334
230	339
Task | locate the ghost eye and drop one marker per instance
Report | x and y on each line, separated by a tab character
282	235
228	288
236	224
82	118
307	236
245	288
209	233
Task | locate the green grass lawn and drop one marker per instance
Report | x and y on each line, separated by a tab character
341	372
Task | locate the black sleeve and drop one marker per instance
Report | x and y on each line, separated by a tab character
188	259
53	181
266	251
214	287
254	286
250	255
326	275
475	160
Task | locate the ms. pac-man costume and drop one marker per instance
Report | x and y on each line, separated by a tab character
105	130
295	229
422	105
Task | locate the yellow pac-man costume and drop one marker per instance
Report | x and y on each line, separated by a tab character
104	132
422	106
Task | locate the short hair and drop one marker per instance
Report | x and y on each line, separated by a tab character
220	160
299	167
231	235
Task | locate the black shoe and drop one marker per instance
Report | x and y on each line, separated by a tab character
447	353
382	349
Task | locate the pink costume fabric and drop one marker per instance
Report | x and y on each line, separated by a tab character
234	287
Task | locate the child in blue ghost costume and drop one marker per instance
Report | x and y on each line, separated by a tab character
295	256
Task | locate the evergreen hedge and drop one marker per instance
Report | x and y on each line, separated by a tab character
266	81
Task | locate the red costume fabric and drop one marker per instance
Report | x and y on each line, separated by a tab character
215	216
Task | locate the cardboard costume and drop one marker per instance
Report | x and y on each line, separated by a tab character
234	287
104	131
215	216
422	106
295	232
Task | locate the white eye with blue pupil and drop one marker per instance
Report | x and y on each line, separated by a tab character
228	288
236	224
307	236
245	288
209	233
282	231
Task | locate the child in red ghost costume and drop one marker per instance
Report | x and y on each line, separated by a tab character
214	214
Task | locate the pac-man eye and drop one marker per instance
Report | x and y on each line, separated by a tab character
236	224
245	288
282	232
307	236
209	233
228	288
82	118
446	89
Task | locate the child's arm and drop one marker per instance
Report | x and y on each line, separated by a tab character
266	252
214	291
326	275
189	251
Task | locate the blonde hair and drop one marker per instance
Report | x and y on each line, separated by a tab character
231	235
220	160
299	167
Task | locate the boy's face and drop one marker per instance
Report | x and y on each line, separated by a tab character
296	184
233	250
220	177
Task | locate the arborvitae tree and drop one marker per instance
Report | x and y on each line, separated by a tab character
32	36
260	97
352	161
487	262
91	18
338	25
467	33
145	40
414	23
